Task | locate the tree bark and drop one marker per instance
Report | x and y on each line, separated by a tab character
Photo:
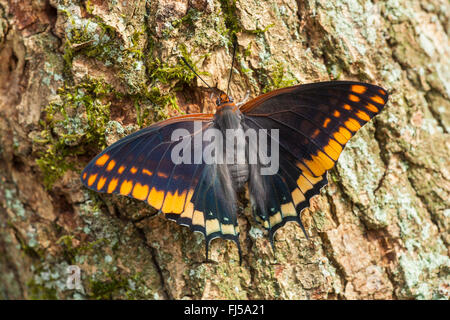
75	76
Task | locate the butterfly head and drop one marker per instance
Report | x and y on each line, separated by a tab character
223	98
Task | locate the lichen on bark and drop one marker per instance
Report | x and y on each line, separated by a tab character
79	75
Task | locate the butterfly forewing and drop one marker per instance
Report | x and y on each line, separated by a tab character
140	166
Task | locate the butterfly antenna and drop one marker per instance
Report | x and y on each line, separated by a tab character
192	69
232	64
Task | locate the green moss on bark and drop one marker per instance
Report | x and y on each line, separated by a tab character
76	120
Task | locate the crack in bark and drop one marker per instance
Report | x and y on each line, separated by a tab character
153	255
332	205
141	234
433	218
434	114
333	261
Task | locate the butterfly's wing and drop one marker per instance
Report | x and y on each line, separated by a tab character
214	201
279	198
140	166
315	121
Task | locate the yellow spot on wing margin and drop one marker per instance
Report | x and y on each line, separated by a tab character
377	99
188	211
212	225
101	183
91	179
371	107
315	166
326	162
125	187
156	198
353	98
198	218
352	124
308	174
297	196
140	191
304	184
112	185
168	203
228	229
333	149
178	202
359	88
111	165
275	219
363	116
347	134
288	209
102	160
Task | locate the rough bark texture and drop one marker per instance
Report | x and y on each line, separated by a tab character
76	76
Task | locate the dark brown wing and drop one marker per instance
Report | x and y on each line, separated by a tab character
140	166
315	121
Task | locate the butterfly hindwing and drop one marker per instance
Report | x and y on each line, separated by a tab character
314	122
279	198
216	200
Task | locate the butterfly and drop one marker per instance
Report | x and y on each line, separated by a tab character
313	122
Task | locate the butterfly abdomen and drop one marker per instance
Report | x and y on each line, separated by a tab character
237	155
239	175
